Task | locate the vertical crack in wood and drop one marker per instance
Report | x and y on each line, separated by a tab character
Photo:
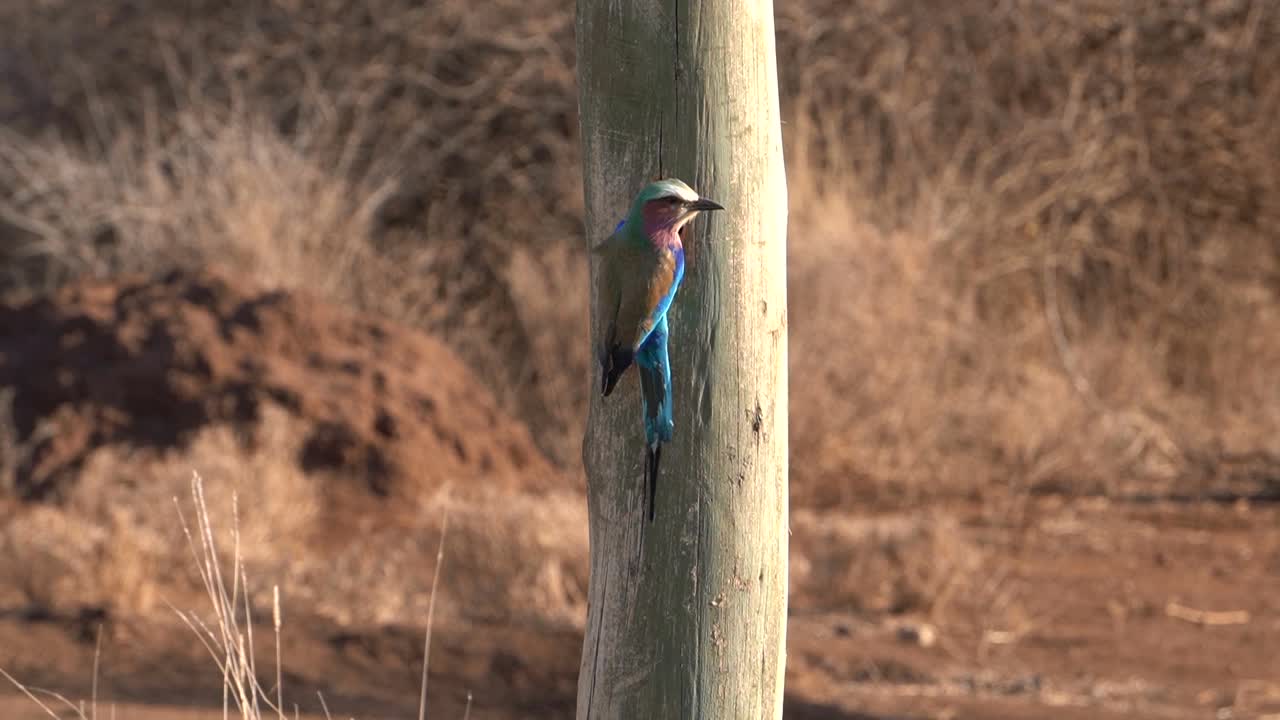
661	161
696	690
595	658
676	34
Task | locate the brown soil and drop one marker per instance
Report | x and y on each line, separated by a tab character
146	362
1080	609
1008	602
1083	622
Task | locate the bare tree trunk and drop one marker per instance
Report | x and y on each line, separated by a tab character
695	626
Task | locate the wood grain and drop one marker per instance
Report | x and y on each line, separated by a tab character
692	626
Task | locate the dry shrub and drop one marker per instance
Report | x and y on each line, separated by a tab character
512	560
871	328
223	187
403	152
916	566
901	391
115	543
1059	226
893	564
1058	218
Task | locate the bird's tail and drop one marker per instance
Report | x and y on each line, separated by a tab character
653	453
655	389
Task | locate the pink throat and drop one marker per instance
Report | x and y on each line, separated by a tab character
660	228
664	237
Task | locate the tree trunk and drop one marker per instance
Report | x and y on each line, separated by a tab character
693	625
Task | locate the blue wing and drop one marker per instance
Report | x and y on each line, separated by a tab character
662	303
655	385
655	394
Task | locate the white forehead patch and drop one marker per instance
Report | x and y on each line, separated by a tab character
679	189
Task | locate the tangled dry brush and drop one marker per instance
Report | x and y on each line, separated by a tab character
1030	241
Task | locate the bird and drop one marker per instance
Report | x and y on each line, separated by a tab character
642	265
654	366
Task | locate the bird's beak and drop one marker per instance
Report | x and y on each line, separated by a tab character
704	204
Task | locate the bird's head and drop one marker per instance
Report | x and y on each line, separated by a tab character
668	205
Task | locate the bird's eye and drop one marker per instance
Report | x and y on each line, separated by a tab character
673	201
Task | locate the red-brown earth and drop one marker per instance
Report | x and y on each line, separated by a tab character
348	439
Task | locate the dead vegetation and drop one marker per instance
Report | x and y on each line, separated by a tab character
409	160
1059	225
1028	241
1033	251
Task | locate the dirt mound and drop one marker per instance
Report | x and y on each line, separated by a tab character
144	363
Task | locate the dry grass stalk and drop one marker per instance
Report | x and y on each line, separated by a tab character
431	611
229	639
34	694
1074	233
1206	617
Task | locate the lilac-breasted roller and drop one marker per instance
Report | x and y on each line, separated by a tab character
641	269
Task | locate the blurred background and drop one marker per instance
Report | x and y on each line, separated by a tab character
329	255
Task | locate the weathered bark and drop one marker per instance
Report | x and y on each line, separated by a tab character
694	626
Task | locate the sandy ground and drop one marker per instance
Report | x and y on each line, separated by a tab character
972	597
21	708
1096	609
